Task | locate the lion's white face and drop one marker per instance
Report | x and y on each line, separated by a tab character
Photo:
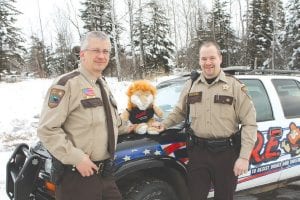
142	99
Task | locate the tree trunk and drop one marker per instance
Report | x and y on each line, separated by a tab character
175	31
114	33
142	60
75	21
186	17
241	18
43	64
130	7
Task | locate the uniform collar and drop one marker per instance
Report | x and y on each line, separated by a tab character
221	77
87	75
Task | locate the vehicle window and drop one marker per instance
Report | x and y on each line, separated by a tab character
289	94
168	96
260	99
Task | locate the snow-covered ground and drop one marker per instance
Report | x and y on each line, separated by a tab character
20	106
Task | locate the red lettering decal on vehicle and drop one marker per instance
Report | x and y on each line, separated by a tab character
256	157
271	150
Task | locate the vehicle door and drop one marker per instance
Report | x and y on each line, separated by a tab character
266	153
275	156
288	90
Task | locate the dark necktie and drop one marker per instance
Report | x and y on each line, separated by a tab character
109	120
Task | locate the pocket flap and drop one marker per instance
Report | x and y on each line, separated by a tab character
223	99
91	103
194	97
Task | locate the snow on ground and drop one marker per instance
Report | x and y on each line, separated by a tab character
20	107
4	156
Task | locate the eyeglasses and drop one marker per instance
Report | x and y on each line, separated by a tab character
99	51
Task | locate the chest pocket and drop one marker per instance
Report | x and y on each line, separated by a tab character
91	103
93	110
224	105
194	100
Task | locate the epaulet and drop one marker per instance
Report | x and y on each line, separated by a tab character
243	86
64	79
228	74
232	76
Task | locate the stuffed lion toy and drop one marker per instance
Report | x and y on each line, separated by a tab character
141	110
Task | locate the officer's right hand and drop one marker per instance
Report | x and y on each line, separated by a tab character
86	167
241	166
159	126
131	127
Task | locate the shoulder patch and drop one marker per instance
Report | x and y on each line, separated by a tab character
244	88
63	80
55	97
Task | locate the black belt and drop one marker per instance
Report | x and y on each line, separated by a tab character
199	140
215	145
100	164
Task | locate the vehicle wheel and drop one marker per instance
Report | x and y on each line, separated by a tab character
150	189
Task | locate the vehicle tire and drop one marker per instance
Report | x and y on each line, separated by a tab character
150	189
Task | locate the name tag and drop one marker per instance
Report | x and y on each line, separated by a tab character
91	103
223	99
194	97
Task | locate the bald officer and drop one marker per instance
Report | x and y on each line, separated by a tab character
218	105
75	125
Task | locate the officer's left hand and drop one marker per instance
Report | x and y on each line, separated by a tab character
241	166
159	126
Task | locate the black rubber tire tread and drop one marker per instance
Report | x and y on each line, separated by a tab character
150	189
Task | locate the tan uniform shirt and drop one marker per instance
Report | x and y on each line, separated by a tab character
73	121
217	109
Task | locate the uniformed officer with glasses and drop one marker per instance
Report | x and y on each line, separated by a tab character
79	126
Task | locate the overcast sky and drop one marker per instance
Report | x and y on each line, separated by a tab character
29	20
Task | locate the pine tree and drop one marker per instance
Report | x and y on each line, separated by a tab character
157	45
63	59
36	60
188	57
97	16
140	27
59	61
10	38
220	27
277	51
292	34
260	34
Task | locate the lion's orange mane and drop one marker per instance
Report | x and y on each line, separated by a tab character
140	85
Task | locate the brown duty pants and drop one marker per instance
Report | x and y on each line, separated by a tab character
206	168
75	187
